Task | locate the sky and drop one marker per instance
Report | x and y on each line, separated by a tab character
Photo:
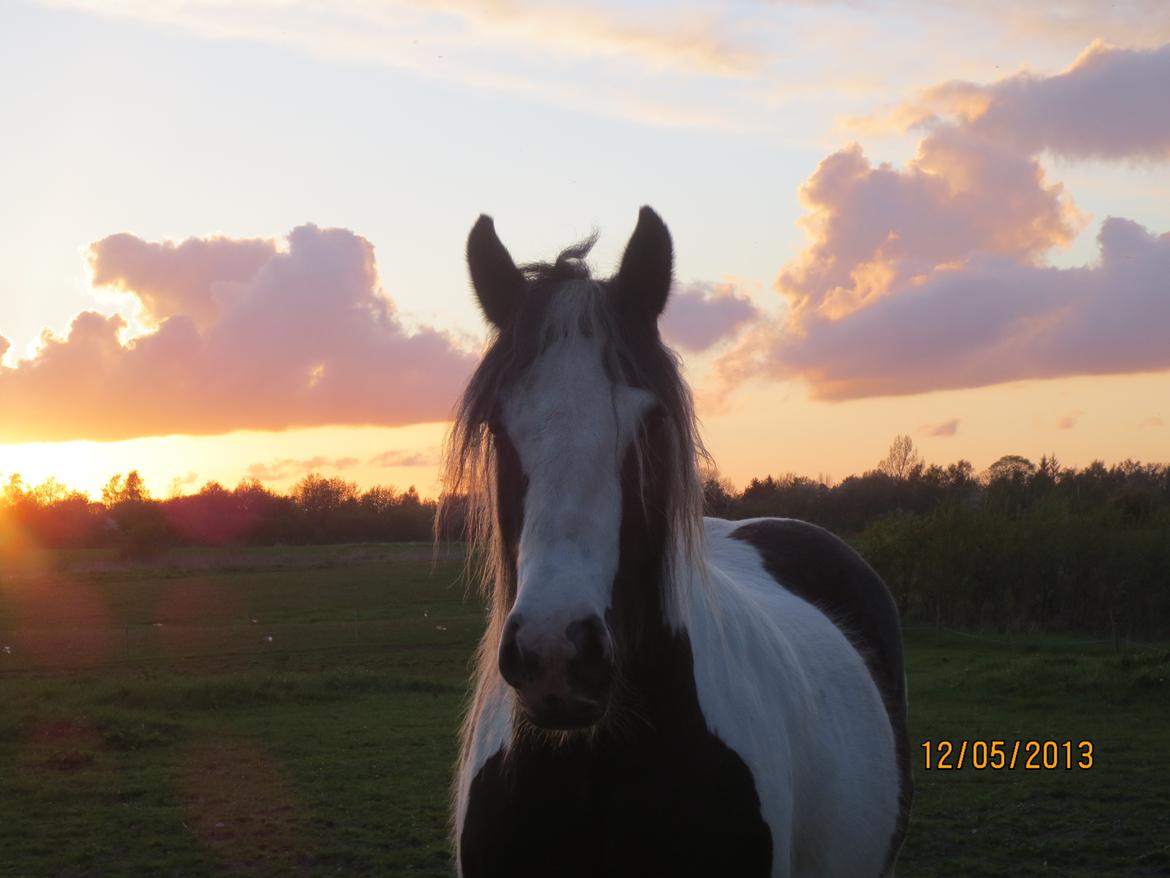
232	242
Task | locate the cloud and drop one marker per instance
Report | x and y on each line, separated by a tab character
1074	22
875	229
425	457
309	339
171	280
1053	22
994	321
699	316
687	41
1067	422
932	276
1152	422
1110	104
288	467
632	61
946	428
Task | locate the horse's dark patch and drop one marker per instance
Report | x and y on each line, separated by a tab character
822	569
656	795
511	486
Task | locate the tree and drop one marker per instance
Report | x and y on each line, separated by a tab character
128	490
960	474
318	495
15	490
903	460
112	491
718	496
134	491
50	491
1011	467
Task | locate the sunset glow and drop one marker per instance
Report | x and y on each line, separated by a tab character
234	232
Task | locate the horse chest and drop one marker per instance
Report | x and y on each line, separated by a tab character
680	804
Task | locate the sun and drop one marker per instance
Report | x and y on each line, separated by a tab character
74	464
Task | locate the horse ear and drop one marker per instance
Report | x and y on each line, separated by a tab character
643	280
497	281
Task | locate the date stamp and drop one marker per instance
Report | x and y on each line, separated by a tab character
946	755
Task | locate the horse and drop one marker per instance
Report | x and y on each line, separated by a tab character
655	692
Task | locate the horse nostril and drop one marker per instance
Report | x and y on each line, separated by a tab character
591	667
513	665
589	636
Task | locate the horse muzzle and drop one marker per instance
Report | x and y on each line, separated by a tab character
562	677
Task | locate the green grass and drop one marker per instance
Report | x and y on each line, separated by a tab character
179	740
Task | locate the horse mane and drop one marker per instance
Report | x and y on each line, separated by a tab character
561	297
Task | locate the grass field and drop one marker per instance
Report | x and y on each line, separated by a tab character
293	711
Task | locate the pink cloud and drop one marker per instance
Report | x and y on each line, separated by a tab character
1067	422
288	467
877	228
946	428
426	457
994	321
932	276
1152	422
308	339
185	279
699	316
1110	104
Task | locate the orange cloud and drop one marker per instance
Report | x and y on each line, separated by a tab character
932	277
878	228
249	336
995	320
688	40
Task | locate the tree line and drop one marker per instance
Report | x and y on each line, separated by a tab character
317	509
1022	546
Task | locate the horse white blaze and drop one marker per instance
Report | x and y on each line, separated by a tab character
571	427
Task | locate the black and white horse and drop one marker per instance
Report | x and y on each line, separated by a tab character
656	694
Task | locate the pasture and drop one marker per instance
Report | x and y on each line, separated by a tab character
276	711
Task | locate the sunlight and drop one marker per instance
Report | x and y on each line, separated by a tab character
399	456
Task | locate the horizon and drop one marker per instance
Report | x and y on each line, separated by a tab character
179	489
235	238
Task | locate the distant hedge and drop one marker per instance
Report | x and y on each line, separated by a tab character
1021	547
